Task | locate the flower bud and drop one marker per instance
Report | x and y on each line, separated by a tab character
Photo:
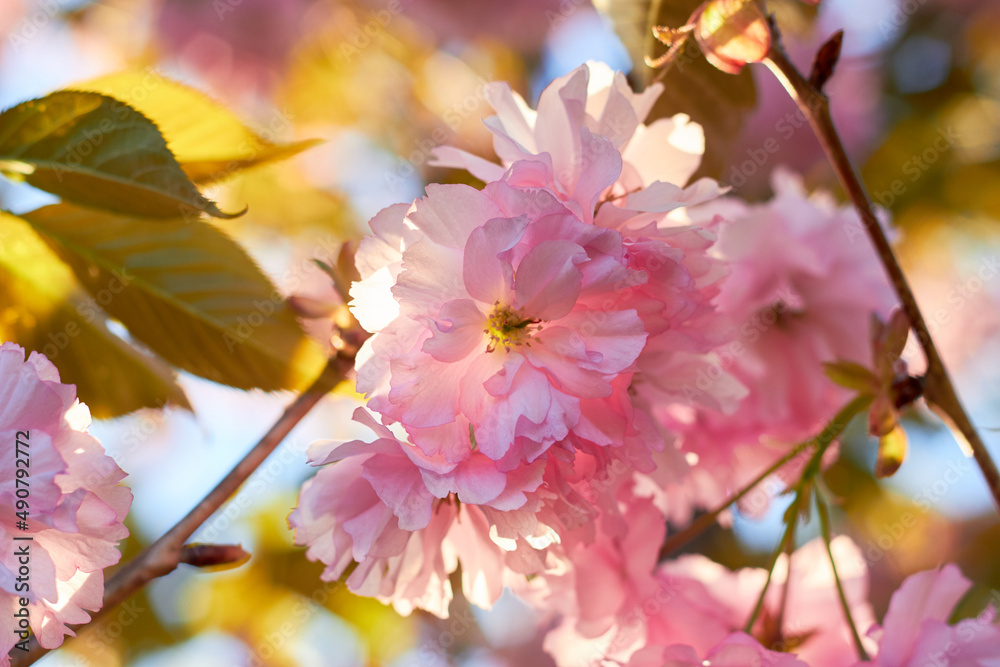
732	33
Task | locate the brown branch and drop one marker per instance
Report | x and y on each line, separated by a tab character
940	391
163	556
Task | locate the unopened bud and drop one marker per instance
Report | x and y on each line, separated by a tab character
732	33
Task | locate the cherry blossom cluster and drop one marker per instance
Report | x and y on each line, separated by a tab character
581	351
52	562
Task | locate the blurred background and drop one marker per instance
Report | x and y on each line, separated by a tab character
916	97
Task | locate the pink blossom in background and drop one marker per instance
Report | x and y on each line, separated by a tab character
710	602
237	46
803	281
737	650
695	602
76	506
916	630
601	600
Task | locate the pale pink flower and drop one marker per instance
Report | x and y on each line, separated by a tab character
620	604
510	314
709	602
589	134
803	282
75	505
916	630
608	590
736	650
392	509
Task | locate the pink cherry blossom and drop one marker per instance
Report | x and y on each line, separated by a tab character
710	602
589	135
916	630
620	604
604	598
76	507
803	282
407	520
736	650
510	315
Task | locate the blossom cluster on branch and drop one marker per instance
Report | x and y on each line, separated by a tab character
589	348
55	542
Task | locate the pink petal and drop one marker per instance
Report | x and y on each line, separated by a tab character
449	156
458	331
487	277
399	485
449	213
547	281
928	595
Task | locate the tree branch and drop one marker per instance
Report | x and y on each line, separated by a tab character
940	392
163	556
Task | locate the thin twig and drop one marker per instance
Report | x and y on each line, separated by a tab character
940	390
163	556
824	522
828	435
787	543
708	519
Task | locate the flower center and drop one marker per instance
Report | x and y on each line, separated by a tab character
509	327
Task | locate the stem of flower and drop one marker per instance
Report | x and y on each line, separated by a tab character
829	433
824	522
163	556
786	544
707	520
940	390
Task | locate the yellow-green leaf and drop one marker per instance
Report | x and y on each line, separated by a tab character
209	141
43	309
851	375
190	293
891	452
94	150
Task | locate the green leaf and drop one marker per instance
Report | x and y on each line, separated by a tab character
851	375
209	141
44	310
717	101
189	292
96	151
